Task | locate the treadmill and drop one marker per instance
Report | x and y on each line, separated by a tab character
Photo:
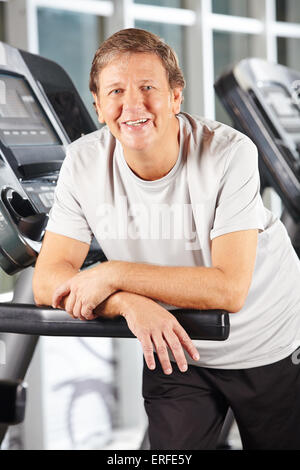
41	112
263	102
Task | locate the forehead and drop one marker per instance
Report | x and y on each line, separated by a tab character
138	65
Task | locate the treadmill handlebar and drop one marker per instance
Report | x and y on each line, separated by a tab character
46	321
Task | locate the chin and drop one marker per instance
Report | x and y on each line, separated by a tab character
135	147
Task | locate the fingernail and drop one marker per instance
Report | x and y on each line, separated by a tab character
168	371
196	357
184	368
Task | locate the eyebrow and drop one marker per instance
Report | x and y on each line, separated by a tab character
112	85
119	84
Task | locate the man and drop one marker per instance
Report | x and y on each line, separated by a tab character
174	202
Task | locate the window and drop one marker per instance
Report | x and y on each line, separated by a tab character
161	3
288	10
234	7
229	48
2	26
76	38
288	52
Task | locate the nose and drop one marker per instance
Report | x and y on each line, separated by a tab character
133	100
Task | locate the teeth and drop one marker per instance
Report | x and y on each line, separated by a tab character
135	123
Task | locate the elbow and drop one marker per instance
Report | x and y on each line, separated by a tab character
235	306
236	302
37	291
37	298
38	301
233	293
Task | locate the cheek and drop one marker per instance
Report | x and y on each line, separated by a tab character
162	106
110	110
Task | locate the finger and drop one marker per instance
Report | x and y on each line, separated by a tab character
162	352
90	316
176	349
148	351
87	311
186	342
70	304
77	308
59	293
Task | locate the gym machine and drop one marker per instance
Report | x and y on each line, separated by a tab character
263	102
40	114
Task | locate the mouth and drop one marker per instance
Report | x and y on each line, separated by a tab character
136	123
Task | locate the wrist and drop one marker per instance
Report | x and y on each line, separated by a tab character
115	272
111	307
125	301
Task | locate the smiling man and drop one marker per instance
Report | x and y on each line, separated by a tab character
174	202
145	123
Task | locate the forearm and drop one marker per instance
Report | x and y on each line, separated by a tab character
47	279
184	287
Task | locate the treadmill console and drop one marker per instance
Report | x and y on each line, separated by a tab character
22	119
262	100
40	114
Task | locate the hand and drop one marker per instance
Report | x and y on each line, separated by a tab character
85	291
151	323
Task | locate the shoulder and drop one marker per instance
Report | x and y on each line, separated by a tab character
94	138
214	136
216	151
96	146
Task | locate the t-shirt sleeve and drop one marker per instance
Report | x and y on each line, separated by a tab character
239	204
66	216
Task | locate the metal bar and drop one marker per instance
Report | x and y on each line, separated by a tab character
180	16
103	8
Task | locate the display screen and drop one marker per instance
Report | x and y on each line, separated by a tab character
22	120
286	110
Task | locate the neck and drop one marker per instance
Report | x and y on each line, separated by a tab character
158	161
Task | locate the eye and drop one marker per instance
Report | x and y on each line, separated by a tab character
116	92
148	87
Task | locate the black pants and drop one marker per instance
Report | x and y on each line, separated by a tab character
186	410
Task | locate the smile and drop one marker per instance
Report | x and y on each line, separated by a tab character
138	122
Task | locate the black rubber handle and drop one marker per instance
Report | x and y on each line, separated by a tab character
46	321
12	401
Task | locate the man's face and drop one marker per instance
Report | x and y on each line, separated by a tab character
136	102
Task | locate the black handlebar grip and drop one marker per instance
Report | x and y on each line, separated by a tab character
12	401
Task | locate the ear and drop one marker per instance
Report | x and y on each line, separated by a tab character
98	108
176	99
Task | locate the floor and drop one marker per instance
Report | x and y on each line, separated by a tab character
234	439
131	439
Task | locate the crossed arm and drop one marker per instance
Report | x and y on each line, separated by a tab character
132	289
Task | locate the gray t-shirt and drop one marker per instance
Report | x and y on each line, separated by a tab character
212	189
